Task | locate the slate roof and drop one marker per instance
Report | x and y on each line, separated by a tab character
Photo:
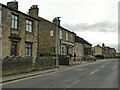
81	40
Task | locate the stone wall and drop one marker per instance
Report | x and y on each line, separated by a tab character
15	65
46	62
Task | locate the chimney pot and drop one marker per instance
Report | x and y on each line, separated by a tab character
13	5
34	10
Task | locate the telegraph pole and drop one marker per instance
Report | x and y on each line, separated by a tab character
57	24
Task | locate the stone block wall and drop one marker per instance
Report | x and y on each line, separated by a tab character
15	65
46	62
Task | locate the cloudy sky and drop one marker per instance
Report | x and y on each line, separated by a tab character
94	20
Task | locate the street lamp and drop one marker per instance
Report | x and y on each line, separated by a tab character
57	24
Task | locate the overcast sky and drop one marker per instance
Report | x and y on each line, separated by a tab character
94	20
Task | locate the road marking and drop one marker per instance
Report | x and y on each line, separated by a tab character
20	79
72	84
102	66
76	81
26	78
93	71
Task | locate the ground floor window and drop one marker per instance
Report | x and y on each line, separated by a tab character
73	50
13	48
52	49
62	50
28	47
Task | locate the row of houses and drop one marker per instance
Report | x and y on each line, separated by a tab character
104	52
29	35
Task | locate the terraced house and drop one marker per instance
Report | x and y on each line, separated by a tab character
19	38
83	49
104	51
48	40
18	31
66	46
47	37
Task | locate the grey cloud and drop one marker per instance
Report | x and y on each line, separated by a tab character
97	27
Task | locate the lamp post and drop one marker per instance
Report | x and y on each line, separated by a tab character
57	24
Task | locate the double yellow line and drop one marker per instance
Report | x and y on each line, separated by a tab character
26	78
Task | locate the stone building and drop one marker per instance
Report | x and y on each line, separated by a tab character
104	51
98	52
66	45
79	49
85	48
49	37
18	31
113	53
109	52
67	42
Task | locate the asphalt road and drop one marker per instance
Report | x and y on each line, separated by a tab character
96	75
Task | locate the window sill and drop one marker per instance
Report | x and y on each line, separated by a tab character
14	29
28	32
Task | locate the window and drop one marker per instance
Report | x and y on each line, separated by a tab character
73	50
52	49
14	21
62	50
13	48
60	34
29	26
28	47
67	36
51	33
71	36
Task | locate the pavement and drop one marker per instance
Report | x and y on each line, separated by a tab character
34	73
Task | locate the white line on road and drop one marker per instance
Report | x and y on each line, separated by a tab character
72	84
93	71
77	81
102	66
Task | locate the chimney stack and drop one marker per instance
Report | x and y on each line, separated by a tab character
103	45
34	11
13	5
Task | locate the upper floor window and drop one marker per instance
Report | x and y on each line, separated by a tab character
67	36
72	39
60	34
29	26
14	21
51	33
